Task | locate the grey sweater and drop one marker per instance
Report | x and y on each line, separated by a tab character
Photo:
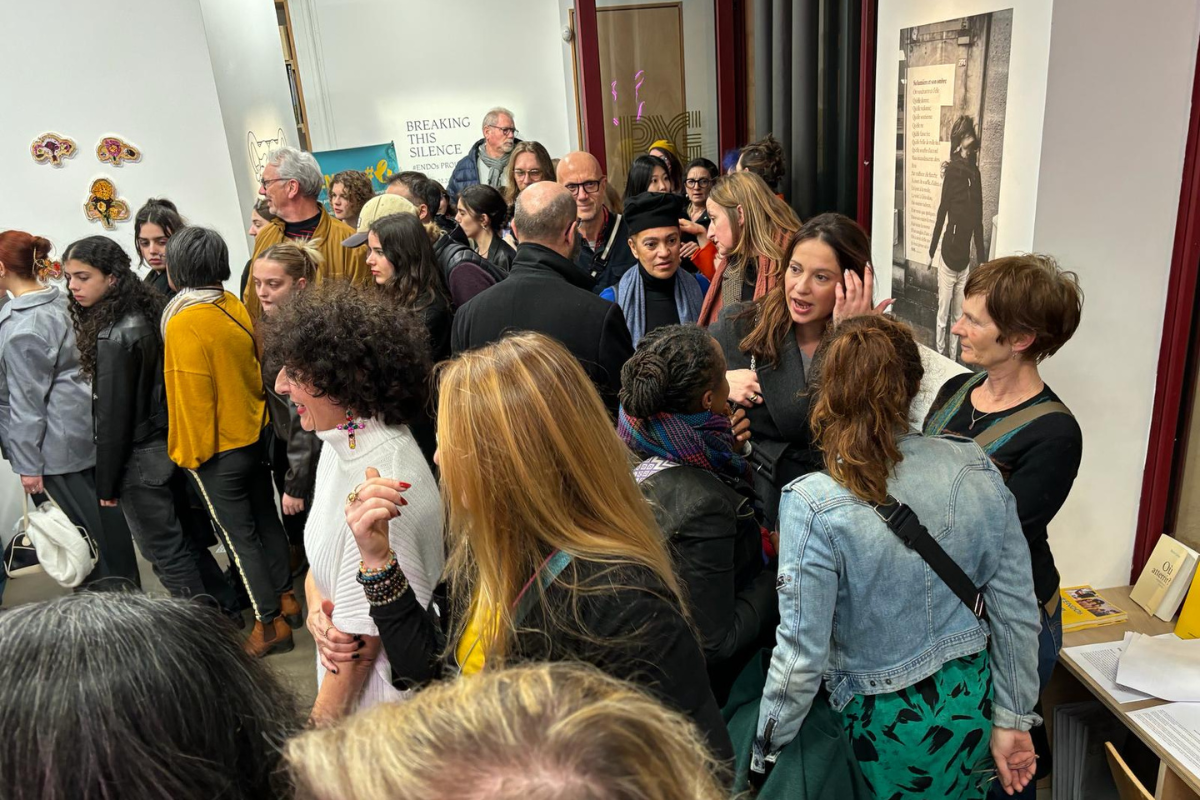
45	402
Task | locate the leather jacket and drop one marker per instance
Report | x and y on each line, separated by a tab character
717	548
129	397
303	447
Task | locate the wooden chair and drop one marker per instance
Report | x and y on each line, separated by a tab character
1128	786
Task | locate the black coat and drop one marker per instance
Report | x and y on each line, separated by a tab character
628	628
546	293
717	545
960	212
158	279
780	435
604	265
129	397
501	254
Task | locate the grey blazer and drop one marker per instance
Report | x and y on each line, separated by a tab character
45	402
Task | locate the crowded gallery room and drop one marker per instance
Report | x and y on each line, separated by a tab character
600	400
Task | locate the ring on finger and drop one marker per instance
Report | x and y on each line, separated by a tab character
325	635
754	397
353	496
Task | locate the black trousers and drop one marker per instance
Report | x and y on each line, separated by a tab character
293	524
155	503
75	494
236	488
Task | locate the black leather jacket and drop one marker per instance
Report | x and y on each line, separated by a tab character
303	447
717	547
129	397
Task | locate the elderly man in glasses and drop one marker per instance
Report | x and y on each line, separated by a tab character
291	183
604	254
487	160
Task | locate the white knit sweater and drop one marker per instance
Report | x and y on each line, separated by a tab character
416	535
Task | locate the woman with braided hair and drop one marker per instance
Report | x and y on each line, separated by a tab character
675	415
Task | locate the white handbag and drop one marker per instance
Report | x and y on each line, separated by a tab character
66	552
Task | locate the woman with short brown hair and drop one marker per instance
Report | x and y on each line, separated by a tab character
912	668
1017	312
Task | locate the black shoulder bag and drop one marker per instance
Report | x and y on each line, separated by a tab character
904	523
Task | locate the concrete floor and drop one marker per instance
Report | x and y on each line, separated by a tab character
296	669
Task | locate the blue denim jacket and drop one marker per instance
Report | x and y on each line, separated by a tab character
860	609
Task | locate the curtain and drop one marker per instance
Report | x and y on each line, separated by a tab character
806	85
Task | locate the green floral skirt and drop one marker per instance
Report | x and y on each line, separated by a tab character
930	739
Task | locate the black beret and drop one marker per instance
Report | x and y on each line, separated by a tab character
653	210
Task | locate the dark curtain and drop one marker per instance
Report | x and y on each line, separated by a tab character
806	87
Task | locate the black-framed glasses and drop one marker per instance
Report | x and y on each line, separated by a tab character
263	181
589	187
505	131
698	183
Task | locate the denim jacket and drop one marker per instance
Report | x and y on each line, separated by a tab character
45	402
860	609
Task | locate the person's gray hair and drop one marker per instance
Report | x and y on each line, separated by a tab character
297	165
546	223
107	694
492	116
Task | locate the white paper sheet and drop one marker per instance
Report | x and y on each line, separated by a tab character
1175	726
1100	662
1164	667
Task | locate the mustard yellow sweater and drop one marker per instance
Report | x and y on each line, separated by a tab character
214	384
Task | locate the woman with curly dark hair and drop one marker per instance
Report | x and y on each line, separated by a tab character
116	320
357	373
405	267
348	192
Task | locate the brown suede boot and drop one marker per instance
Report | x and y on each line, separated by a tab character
289	608
269	638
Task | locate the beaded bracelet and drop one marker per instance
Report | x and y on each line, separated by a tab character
370	574
380	593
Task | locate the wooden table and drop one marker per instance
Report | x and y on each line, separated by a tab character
1174	781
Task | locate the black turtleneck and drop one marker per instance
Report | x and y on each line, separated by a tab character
660	300
303	229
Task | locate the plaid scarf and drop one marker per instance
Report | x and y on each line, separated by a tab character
703	440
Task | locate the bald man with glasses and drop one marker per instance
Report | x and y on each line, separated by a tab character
604	254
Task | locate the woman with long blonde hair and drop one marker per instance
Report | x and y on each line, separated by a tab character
910	660
533	731
750	228
555	555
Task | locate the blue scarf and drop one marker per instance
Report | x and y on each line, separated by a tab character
631	297
703	440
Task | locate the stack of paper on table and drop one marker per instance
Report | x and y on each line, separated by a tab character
1080	768
1162	666
1100	661
1176	727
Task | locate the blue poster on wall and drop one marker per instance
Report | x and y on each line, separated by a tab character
377	161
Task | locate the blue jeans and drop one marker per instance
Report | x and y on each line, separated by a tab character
1049	643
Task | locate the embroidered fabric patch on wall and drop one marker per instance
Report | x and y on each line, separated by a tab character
104	206
52	148
116	151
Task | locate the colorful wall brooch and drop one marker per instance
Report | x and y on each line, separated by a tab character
52	148
104	206
116	151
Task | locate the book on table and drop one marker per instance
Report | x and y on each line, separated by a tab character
1188	626
1165	578
1083	607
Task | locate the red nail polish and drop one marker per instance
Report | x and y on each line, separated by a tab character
403	502
403	485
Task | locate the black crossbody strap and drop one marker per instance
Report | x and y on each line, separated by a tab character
904	523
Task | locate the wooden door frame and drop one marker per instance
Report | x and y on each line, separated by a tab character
1169	418
590	100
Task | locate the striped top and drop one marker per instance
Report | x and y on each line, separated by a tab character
416	535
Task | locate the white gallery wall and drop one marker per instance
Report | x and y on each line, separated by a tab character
252	86
1117	108
149	81
423	75
147	75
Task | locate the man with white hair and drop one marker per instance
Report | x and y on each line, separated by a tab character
291	183
487	159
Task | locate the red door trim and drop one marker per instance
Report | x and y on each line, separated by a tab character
1178	323
727	89
592	102
866	112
